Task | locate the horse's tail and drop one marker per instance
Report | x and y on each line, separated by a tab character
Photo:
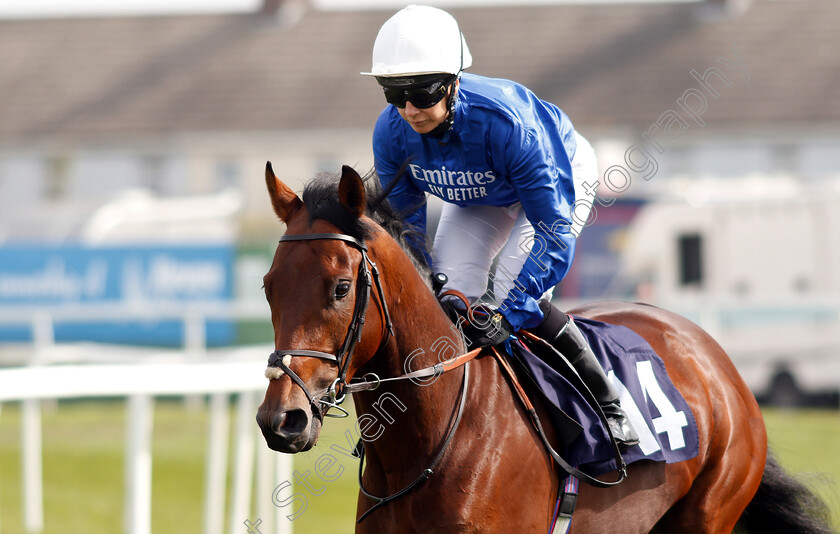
784	505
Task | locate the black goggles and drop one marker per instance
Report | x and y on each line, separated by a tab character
421	97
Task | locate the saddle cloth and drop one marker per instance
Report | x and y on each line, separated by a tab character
665	424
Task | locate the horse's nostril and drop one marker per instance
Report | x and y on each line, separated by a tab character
289	423
277	421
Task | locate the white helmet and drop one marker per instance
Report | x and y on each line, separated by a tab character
419	40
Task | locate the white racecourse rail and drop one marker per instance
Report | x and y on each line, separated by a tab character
192	371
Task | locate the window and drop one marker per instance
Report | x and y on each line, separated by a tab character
227	174
785	159
678	159
690	247
56	178
153	173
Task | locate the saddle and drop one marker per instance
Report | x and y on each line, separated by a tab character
666	426
566	429
584	446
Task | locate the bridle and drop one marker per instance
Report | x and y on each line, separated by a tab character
323	401
337	392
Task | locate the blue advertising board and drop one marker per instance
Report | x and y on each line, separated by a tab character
138	276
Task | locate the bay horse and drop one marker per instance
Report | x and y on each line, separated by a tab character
352	309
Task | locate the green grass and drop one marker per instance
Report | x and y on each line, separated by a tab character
83	468
83	454
807	443
83	448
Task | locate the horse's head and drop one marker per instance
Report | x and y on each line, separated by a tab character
318	288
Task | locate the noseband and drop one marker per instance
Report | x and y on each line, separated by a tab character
368	276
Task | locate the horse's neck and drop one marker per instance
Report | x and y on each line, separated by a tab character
423	333
413	416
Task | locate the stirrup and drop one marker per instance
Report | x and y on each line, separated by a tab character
620	427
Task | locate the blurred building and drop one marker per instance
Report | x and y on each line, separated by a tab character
186	105
716	123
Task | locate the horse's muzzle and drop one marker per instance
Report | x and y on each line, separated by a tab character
289	431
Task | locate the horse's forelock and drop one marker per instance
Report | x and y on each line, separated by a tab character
320	196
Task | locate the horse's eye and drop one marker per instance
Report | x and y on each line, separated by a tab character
342	289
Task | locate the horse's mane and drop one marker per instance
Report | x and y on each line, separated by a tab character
320	196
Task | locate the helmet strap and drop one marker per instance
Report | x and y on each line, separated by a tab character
441	129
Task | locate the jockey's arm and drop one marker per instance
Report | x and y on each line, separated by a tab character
544	185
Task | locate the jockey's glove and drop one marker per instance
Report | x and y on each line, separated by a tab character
486	327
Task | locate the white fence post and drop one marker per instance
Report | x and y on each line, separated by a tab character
1	482
138	463
238	372
265	485
244	462
283	469
216	468
33	488
195	346
195	334
43	335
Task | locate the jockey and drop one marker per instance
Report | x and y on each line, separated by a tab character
511	171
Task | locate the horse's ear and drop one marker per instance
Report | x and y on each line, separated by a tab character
284	200
351	191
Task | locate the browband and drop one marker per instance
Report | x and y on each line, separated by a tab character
341	237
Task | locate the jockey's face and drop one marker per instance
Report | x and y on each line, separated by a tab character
425	120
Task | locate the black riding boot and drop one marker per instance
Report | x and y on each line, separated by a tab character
561	331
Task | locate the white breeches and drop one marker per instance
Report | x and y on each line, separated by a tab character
469	238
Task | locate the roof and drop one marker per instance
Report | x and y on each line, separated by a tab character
605	65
